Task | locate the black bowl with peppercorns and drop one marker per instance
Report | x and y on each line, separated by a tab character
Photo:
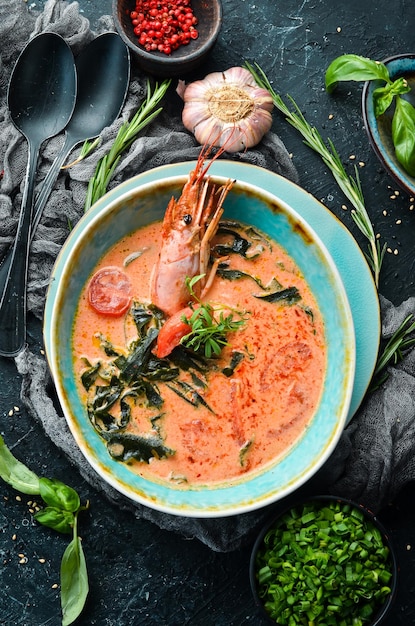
168	38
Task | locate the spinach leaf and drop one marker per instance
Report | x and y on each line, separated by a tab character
106	396
289	296
237	357
90	375
137	360
124	447
189	394
232	274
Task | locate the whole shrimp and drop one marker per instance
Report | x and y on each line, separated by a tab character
189	225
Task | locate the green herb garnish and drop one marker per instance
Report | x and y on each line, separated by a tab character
127	134
350	187
356	68
62	507
323	563
210	326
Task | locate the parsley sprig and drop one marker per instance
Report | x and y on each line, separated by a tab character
210	326
350	186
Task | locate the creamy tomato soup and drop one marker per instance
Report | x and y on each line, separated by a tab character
184	418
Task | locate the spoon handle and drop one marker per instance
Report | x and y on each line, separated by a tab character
39	205
13	297
49	181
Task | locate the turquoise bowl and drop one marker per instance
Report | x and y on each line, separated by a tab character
379	130
122	211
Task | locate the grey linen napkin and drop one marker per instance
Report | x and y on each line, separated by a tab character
374	457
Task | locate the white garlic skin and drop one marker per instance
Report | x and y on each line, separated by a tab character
227	109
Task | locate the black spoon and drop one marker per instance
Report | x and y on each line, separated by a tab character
41	98
103	75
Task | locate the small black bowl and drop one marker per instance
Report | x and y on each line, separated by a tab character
319	501
379	130
187	57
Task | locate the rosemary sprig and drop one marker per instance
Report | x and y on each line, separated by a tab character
350	186
87	148
127	134
209	331
394	349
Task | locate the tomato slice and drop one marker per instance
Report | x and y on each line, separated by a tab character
109	291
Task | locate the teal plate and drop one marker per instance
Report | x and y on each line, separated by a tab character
334	284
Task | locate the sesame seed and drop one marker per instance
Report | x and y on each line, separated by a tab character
396	192
396	251
411	208
377	235
331	116
362	163
352	157
384	212
398	221
389	250
339	29
23	560
16	408
42	560
392	197
10	412
18	498
344	207
20	555
14	537
55	586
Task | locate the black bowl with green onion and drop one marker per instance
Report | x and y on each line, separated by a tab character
326	560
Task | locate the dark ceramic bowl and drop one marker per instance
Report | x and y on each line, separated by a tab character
318	502
186	57
379	130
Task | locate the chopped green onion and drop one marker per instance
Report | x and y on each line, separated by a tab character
324	563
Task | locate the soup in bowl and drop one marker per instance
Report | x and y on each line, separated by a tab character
203	388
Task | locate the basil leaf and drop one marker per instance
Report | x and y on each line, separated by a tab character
383	96
403	134
354	67
59	520
57	494
74	582
16	473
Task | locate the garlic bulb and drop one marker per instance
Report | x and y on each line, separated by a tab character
227	109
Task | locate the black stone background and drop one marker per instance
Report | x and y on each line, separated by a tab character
138	573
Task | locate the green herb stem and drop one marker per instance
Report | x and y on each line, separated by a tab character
127	134
401	340
350	186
